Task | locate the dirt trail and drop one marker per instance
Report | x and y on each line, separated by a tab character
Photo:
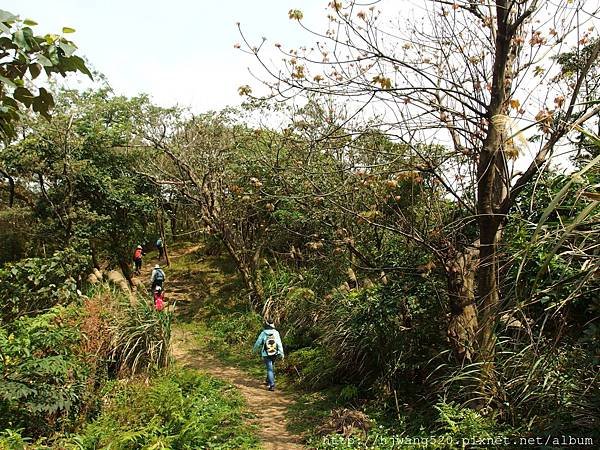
269	408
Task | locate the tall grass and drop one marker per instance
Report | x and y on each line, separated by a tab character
141	337
539	388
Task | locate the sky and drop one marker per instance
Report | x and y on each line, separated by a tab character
178	51
181	52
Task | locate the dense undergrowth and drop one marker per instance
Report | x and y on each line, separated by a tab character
58	347
367	367
178	409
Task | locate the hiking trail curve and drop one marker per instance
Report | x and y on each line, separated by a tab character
268	408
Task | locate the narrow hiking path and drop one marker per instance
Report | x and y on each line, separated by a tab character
268	408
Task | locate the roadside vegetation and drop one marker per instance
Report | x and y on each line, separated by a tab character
433	272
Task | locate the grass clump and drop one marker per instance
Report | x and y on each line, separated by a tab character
182	409
236	329
141	337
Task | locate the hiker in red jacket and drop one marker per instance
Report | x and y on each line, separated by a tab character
137	259
159	298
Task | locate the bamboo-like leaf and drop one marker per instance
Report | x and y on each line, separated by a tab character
555	202
577	221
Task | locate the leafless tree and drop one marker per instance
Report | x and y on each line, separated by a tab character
481	77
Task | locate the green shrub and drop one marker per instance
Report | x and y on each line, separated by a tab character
540	388
52	364
179	410
36	284
15	223
349	393
311	366
458	422
236	328
553	390
458	428
42	379
384	334
12	440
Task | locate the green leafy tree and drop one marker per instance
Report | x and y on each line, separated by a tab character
24	56
41	377
33	285
80	171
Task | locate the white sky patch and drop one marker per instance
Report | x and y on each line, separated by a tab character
179	52
182	52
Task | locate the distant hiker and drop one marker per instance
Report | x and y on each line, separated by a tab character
159	298
157	278
137	259
161	248
270	346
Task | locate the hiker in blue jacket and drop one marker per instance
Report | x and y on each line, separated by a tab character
270	346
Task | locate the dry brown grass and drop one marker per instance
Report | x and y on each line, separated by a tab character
346	422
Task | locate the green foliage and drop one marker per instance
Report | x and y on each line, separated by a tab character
141	337
178	410
457	428
295	299
550	341
24	56
551	390
459	422
33	285
81	176
52	364
542	390
310	366
14	225
384	333
12	439
42	377
349	393
573	62
236	328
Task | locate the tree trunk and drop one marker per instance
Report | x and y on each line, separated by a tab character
126	270
11	192
11	188
94	254
249	273
493	182
489	305
462	328
252	281
257	293
165	250
161	232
